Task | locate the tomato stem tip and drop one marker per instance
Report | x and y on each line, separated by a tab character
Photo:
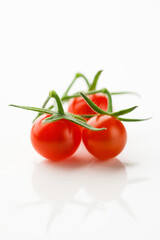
54	95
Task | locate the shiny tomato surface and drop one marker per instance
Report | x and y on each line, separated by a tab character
79	106
56	140
107	143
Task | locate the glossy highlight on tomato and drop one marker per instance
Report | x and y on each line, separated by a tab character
56	140
108	143
80	107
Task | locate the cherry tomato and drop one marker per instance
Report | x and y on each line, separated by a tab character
107	143
80	107
56	140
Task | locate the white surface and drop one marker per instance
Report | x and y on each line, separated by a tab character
42	45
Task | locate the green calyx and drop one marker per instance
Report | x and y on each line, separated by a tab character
59	114
114	114
91	90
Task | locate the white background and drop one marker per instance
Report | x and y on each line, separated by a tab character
42	45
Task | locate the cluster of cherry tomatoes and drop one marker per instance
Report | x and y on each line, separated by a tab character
57	134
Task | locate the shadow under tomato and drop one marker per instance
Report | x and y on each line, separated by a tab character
80	180
80	159
60	181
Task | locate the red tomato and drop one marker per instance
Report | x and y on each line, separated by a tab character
80	107
107	143
56	140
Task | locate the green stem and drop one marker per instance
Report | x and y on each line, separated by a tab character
103	90
115	114
43	106
45	103
78	75
133	119
95	80
127	92
35	109
54	95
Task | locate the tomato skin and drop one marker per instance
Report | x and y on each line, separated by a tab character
80	107
57	140
108	143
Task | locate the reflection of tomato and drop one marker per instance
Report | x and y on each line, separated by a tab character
55	140
107	143
61	181
80	107
105	180
57	182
